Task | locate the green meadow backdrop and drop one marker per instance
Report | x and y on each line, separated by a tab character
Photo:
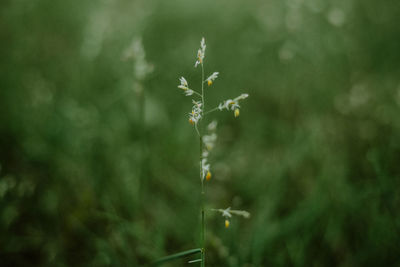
99	165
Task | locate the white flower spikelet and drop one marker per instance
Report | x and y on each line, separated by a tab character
209	142
205	168
212	126
227	213
210	139
195	115
184	84
201	52
232	104
189	92
243	213
211	78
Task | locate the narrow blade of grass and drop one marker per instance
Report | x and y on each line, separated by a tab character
176	256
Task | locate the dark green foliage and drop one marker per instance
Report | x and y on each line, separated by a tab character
86	180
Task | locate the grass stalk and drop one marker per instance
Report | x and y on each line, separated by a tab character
203	226
197	117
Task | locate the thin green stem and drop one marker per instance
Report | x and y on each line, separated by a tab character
203	250
197	130
211	110
202	87
201	164
195	92
202	207
203	225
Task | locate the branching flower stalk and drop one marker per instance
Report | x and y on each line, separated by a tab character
207	141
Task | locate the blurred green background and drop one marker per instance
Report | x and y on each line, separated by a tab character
99	164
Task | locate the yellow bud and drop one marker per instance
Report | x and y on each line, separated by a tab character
208	176
191	121
226	223
237	112
209	82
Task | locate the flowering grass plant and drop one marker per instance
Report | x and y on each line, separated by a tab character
207	139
